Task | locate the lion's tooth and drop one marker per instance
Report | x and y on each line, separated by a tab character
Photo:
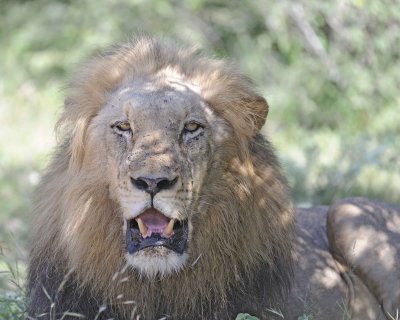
170	227
142	226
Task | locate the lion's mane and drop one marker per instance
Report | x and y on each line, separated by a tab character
240	249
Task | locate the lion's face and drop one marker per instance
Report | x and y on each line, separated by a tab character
159	140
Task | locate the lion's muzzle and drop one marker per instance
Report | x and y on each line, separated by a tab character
153	186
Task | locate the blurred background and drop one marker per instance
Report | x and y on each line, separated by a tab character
329	69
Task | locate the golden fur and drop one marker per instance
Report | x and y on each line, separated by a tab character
240	248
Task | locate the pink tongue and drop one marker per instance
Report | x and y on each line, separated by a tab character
154	221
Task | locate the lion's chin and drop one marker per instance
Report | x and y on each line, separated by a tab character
156	261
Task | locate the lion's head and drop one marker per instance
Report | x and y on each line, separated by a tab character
159	137
162	179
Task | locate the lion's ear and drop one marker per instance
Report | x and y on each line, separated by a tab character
232	95
258	108
246	111
254	111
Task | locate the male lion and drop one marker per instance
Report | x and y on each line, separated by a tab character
164	201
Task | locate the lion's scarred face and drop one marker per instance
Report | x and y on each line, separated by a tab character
159	140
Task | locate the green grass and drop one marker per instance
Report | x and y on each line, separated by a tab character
13	300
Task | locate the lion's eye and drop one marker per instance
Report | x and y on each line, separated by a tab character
123	126
191	127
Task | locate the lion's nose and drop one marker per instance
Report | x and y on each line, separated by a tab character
153	186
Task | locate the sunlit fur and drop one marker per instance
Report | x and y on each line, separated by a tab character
240	245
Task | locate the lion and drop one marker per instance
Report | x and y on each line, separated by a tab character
163	200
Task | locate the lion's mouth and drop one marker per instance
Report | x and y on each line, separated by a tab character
153	229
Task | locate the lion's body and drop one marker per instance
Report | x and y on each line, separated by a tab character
323	286
154	135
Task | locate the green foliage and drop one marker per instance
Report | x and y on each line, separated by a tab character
305	317
13	302
245	316
13	307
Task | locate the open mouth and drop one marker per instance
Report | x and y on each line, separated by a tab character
153	229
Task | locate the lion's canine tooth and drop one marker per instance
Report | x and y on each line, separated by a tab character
142	226
170	227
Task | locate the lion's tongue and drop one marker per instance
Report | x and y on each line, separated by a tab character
154	221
